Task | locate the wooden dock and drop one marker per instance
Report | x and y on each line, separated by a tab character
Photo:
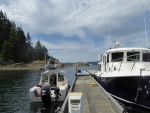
95	99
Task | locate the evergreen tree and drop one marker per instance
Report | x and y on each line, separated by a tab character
6	51
13	41
40	51
16	46
4	28
29	49
20	45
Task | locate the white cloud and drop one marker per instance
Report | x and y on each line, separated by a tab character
67	17
79	17
72	51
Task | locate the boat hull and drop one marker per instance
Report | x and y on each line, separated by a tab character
134	90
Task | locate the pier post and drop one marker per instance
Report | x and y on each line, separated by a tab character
76	70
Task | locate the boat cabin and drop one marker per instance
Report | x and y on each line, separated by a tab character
53	78
124	59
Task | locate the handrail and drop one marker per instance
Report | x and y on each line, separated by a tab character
120	66
112	66
122	61
124	57
121	58
134	63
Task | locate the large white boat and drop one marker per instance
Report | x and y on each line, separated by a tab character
125	74
53	86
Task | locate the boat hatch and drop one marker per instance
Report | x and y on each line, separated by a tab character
53	81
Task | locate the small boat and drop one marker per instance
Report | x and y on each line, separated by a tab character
50	65
53	86
125	74
82	72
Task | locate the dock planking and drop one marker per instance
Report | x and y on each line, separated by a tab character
95	99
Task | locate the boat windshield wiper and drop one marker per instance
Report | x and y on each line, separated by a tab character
135	61
120	64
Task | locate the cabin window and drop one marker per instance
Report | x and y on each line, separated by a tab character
133	56
107	58
146	57
117	56
103	59
45	78
99	67
105	62
60	77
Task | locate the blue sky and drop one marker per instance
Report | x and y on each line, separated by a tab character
78	30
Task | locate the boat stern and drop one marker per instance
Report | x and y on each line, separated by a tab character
35	94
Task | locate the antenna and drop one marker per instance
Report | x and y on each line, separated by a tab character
145	31
109	34
117	44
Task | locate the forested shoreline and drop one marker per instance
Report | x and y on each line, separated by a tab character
16	46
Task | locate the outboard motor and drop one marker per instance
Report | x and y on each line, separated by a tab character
57	93
45	94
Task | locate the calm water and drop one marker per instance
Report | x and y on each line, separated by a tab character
15	85
14	90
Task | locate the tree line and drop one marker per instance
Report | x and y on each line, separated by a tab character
16	46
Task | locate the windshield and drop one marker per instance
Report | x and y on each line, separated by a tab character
117	56
133	56
146	57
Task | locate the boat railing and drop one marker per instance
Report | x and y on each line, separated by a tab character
118	59
136	58
122	58
128	58
120	65
134	62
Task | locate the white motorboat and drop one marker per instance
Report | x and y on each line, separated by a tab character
125	74
53	86
50	65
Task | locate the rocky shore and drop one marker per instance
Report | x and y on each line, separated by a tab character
77	64
33	65
23	66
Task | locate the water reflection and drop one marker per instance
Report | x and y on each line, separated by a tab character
35	107
38	107
14	90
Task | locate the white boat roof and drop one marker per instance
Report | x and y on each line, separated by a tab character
127	49
54	71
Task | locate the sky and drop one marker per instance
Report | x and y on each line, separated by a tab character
80	30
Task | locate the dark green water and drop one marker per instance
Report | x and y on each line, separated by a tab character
14	91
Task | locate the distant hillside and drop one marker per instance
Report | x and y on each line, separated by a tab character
69	63
93	63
